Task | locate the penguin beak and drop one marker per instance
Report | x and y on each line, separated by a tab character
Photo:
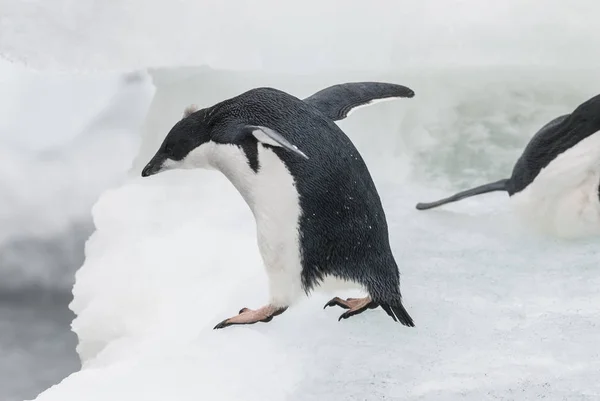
153	167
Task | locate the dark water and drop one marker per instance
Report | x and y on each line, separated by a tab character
37	347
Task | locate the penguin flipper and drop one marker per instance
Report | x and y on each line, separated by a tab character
270	137
483	189
338	101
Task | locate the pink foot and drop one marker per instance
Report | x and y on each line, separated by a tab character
354	305
249	316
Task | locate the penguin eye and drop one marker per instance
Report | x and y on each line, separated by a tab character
175	150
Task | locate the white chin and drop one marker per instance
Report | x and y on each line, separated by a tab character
200	157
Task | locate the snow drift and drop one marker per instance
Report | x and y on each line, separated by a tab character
496	308
63	140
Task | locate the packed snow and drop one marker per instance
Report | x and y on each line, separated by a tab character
501	311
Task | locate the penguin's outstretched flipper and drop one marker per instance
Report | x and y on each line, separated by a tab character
483	189
338	101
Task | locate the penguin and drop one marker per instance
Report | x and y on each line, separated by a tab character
319	218
555	183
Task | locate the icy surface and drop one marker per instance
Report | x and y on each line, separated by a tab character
305	36
501	312
63	140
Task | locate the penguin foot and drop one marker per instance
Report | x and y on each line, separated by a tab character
354	305
250	316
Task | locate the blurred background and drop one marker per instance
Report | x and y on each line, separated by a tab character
79	112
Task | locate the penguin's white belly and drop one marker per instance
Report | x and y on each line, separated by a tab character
563	199
273	198
331	285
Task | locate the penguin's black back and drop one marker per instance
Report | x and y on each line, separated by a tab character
554	138
343	228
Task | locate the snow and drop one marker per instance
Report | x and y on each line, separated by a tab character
63	140
300	37
501	311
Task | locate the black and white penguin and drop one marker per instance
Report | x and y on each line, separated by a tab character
555	184
318	214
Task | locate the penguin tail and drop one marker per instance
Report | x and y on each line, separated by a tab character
500	185
397	312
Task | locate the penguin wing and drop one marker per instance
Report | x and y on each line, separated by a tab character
338	101
270	137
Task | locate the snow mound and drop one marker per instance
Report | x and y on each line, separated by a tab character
173	255
65	140
161	290
500	313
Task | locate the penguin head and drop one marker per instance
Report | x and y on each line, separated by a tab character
188	134
194	139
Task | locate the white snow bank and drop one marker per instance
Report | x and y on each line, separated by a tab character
500	313
496	313
156	293
63	140
306	36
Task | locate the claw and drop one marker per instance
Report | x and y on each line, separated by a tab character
222	325
357	310
338	302
354	305
249	316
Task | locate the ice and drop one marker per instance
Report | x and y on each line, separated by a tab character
302	37
63	140
501	312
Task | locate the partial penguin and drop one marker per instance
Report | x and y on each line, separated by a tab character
318	214
555	184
